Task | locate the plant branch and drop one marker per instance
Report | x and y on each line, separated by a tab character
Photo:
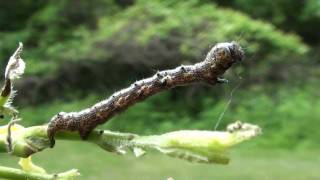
18	174
191	145
218	60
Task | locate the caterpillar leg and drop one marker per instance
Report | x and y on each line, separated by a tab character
9	134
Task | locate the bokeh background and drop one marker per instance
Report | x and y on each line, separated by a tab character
78	52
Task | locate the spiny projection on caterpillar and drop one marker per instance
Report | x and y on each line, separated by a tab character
217	61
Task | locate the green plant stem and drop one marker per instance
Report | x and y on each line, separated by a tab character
191	145
18	174
28	141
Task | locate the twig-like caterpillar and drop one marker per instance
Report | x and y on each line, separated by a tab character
218	60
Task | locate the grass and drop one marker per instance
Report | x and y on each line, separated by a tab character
93	163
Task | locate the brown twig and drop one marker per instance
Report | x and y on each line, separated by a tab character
218	60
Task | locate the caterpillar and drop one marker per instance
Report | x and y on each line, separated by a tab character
217	61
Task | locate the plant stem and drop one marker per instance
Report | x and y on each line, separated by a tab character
27	141
17	174
191	145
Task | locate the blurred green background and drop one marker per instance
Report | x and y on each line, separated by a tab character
79	52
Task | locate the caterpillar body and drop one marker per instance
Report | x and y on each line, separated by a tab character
218	60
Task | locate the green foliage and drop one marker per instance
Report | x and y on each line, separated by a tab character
163	20
186	27
14	14
301	17
45	31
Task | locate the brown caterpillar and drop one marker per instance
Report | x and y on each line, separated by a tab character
218	60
